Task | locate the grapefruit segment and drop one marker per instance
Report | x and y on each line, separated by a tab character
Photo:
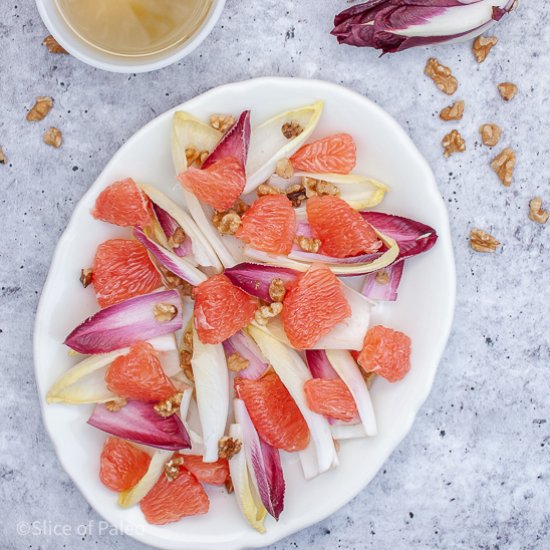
333	154
312	306
274	413
214	473
386	352
342	230
121	270
269	225
330	398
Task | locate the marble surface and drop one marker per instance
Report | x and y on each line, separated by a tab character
473	473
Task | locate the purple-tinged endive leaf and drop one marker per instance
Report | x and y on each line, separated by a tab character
383	284
242	344
169	225
319	365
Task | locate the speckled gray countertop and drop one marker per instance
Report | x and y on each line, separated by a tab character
474	471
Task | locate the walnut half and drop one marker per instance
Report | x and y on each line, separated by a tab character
441	75
536	213
480	241
503	164
453	112
490	134
482	46
453	142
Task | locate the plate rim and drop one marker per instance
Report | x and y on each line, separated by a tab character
445	241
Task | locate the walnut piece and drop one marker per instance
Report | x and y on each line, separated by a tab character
169	406
277	290
504	164
221	122
265	189
291	129
178	237
441	75
490	134
228	447
52	136
296	194
172	467
453	143
382	277
86	275
536	213
3	158
195	157
482	242
236	362
53	46
185	364
308	244
116	404
172	281
187	341
264	313
284	168
507	90
40	109
482	46
319	188
164	312
453	112
227	223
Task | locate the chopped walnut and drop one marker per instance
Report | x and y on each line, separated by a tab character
172	281
319	188
236	362
507	90
277	290
172	467
482	46
482	242
291	129
227	223
3	158
309	244
536	213
296	194
382	277
504	164
490	134
40	109
228	447
52	136
53	46
229	485
86	276
284	168
164	312
116	404
265	189
185	364
195	157
177	238
187	341
264	313
441	75
169	406
222	122
453	143
453	112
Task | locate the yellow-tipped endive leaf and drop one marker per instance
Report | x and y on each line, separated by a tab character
247	497
202	249
131	497
268	145
188	131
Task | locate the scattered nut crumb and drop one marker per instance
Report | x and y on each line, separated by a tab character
490	134
296	194
53	46
536	213
453	112
228	447
177	238
229	485
40	109
222	122
308	244
264	313
504	164
291	129
3	158
169	406
172	281
195	157
277	290
507	90
172	467
482	242
482	46
52	136
187	341
284	169
116	404
319	188
227	223
236	362
265	189
185	364
453	143
382	277
86	276
441	75
165	312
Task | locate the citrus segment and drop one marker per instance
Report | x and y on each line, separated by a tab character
219	185
121	464
138	375
214	473
269	225
386	352
342	230
313	305
221	309
123	203
330	398
121	270
274	413
331	155
172	499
